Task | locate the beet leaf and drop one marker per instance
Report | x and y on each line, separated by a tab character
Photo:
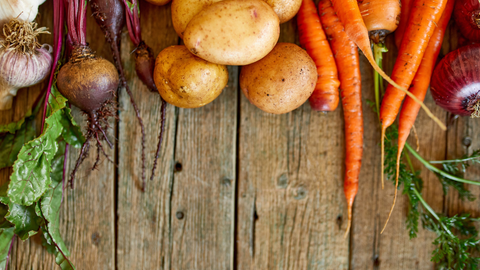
6	238
31	171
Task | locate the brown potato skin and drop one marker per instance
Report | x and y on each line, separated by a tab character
187	81
158	2
184	10
233	32
285	9
282	81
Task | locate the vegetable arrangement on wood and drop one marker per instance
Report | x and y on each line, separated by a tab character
275	77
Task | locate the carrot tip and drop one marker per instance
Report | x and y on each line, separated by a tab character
349	224
395	196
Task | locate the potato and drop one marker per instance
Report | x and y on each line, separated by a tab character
233	32
184	10
282	81
187	81
159	2
285	9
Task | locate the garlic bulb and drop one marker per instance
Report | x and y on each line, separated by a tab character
23	61
25	10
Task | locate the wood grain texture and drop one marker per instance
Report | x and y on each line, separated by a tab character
144	218
237	188
203	196
87	214
392	249
290	193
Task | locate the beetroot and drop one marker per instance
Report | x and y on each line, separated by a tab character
110	15
88	82
144	64
88	95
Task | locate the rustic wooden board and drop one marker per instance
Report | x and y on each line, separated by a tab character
143	224
290	195
237	188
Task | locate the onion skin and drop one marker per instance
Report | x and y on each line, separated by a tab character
467	16
455	84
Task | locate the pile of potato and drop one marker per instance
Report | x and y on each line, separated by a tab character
276	78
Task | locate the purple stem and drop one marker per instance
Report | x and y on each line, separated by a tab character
133	22
10	250
65	158
58	20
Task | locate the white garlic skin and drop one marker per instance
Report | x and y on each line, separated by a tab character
27	9
19	70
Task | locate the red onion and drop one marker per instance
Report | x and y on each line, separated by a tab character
467	17
455	84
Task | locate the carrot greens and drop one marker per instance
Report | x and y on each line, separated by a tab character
456	239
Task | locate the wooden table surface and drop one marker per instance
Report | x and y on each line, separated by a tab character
237	188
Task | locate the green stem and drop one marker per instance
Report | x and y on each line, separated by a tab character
378	50
409	161
453	160
436	170
430	210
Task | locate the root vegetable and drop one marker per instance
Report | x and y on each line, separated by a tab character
110	16
88	82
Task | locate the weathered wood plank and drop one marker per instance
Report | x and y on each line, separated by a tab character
203	196
392	249
144	218
290	196
87	220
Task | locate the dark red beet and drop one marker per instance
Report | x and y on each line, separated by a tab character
88	95
89	83
467	16
110	15
144	65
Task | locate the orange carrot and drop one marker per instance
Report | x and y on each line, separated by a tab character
404	14
419	86
349	14
348	62
312	38
381	17
424	16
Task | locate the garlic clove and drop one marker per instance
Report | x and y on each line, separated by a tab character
7	93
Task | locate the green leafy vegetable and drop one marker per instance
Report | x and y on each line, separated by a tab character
31	171
50	210
14	135
452	251
6	238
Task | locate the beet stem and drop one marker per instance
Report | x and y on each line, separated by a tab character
160	138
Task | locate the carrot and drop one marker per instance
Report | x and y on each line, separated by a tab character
349	14
423	18
381	17
348	62
419	87
404	14
313	39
